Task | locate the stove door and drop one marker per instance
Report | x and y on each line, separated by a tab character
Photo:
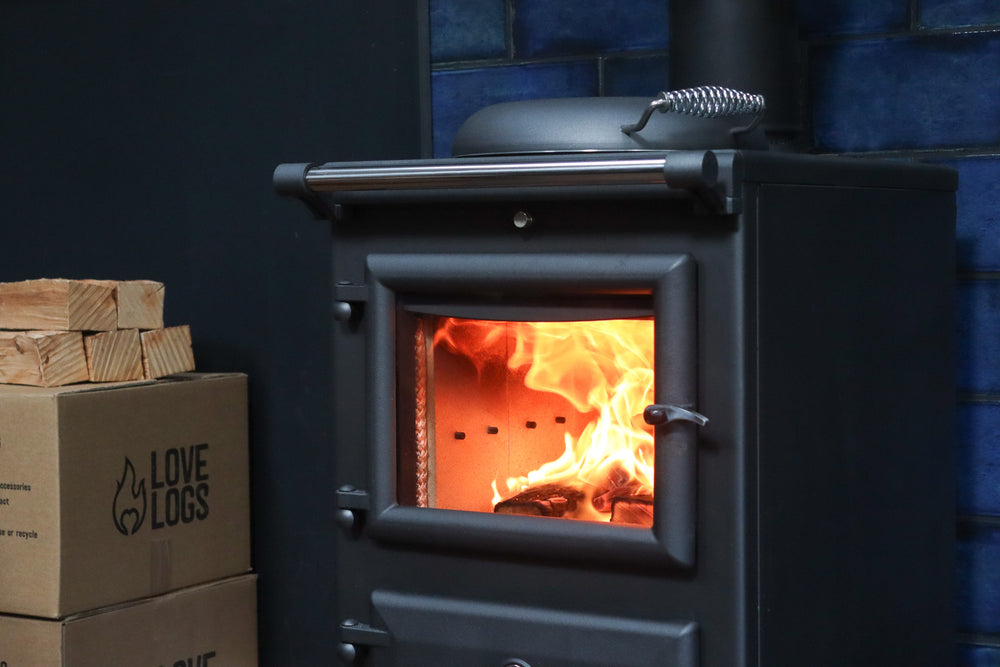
438	631
534	404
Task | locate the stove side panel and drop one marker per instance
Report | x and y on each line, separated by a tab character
854	297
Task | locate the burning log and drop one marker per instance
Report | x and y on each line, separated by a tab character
633	510
619	484
550	500
605	502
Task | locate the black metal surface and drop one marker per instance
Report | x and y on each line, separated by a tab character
750	45
441	631
710	177
594	124
668	278
824	526
843	492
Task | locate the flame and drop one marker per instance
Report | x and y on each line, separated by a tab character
129	509
603	369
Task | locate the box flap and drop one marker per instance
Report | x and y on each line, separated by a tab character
26	390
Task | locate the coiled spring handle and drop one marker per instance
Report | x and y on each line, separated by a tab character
705	102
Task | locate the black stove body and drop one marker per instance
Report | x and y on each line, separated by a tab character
803	305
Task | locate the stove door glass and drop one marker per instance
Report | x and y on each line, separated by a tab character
534	418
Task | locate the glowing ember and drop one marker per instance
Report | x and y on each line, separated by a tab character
604	369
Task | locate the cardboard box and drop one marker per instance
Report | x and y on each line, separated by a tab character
212	625
115	492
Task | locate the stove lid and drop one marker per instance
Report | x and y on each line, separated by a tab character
708	117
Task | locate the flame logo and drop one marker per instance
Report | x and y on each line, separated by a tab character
129	508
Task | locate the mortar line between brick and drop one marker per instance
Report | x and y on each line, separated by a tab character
979	639
458	65
903	33
508	29
978	398
977	520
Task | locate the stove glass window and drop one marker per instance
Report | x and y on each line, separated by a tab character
535	418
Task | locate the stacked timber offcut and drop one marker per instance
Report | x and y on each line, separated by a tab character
57	331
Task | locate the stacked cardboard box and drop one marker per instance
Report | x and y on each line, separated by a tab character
55	332
125	523
202	626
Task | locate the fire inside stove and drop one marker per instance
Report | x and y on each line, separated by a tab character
534	418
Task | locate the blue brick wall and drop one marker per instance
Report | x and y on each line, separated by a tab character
487	51
900	79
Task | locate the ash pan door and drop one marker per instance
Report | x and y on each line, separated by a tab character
430	630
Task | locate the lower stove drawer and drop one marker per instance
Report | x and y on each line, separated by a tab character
425	631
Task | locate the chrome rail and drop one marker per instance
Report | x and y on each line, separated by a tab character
618	171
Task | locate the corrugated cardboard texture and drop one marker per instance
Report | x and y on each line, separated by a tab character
30	641
207	625
29	503
137	488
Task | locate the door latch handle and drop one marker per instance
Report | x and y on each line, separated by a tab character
657	414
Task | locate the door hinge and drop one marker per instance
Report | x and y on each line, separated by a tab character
356	638
351	504
348	300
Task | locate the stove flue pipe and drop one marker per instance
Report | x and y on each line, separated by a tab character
749	45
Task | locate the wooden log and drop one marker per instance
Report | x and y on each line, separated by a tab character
114	356
166	351
57	305
42	358
547	500
140	304
633	510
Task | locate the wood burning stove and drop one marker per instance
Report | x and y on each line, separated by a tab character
666	407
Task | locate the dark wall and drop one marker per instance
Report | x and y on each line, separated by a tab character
138	141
